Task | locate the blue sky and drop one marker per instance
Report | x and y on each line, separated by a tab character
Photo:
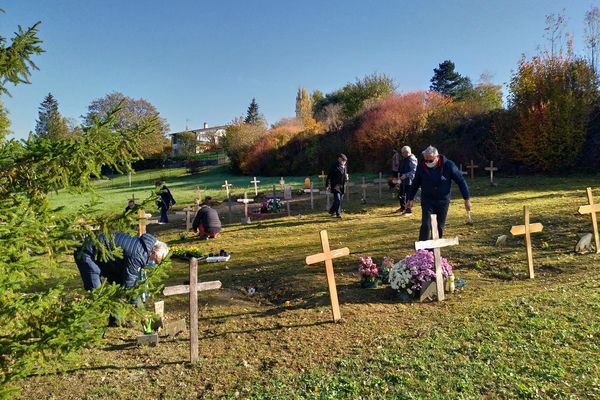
203	61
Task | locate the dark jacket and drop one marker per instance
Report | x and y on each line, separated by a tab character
435	182
166	198
409	168
136	254
337	178
209	218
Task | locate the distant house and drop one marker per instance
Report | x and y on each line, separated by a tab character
206	138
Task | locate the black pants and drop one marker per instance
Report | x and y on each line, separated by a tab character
438	207
403	192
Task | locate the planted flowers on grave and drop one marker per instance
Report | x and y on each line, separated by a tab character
368	271
272	205
409	276
386	266
186	252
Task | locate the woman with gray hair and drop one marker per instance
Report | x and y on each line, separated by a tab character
434	176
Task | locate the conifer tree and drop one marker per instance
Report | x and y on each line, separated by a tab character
252	116
448	82
50	123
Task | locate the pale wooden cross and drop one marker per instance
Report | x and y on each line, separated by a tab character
462	171
323	176
491	168
379	182
254	181
282	183
143	220
328	255
245	200
592	209
227	186
472	167
364	187
527	230
198	197
193	288
188	211
287	196
436	243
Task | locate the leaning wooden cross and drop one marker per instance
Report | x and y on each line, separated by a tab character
436	243
188	212
143	220
491	168
472	167
323	176
328	255
193	288
245	200
592	209
227	186
527	230
255	186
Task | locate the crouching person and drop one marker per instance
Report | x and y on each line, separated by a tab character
207	222
137	253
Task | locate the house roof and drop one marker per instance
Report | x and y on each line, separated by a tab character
202	130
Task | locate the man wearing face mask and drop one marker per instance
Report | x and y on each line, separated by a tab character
336	183
434	176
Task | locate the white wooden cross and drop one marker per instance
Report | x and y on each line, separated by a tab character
379	182
188	211
328	255
198	197
323	176
462	171
255	186
472	167
227	186
592	209
527	230
245	200
436	243
193	288
143	220
287	196
282	183
491	168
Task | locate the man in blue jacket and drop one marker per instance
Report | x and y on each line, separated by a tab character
138	252
406	174
434	176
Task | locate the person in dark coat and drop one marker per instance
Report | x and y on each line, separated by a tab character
138	252
207	222
336	184
165	202
434	176
406	175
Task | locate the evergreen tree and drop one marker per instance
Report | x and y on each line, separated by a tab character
252	116
4	122
450	83
50	123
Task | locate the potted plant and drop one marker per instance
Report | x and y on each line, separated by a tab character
386	266
368	271
409	276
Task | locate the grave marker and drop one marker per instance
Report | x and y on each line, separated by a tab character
129	178
229	204
472	167
287	196
188	211
255	186
436	244
282	183
379	182
323	177
193	288
592	208
527	230
462	171
245	200
227	186
328	255
143	221
364	187
491	168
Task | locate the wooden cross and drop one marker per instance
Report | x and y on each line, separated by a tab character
198	196
436	243
245	200
323	177
132	197
193	288
592	209
527	230
472	167
287	196
379	182
226	186
282	183
491	168
274	192
188	211
143	220
229	204
462	171
328	197
255	186
364	187
328	255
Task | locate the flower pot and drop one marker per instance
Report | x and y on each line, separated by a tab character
367	284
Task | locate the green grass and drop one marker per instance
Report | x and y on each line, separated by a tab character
504	336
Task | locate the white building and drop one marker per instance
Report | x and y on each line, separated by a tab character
206	138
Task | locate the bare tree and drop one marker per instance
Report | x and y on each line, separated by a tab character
592	34
555	24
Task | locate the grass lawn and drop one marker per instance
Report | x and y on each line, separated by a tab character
503	336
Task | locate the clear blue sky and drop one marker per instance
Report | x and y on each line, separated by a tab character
203	61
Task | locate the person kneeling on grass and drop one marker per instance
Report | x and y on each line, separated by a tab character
207	222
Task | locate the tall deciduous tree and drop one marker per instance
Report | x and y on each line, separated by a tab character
133	113
50	123
450	83
592	35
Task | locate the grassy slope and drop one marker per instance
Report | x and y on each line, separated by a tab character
503	337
